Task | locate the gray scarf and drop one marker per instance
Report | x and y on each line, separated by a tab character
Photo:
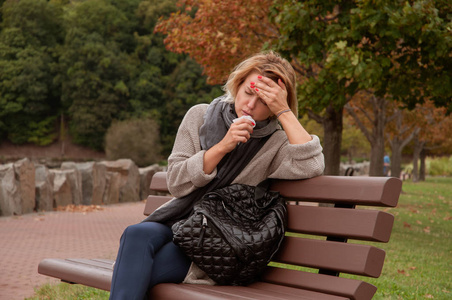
218	118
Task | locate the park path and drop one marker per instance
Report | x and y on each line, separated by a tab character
26	240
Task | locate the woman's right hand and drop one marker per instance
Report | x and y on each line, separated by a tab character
239	132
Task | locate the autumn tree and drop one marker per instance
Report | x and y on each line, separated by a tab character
394	49
218	34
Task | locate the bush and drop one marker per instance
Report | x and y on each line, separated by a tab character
137	139
441	166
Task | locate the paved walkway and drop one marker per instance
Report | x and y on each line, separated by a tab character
26	240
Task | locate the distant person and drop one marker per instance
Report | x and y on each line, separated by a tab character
386	165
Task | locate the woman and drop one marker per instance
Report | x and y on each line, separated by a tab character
235	139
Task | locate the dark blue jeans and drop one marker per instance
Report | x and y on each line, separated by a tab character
147	256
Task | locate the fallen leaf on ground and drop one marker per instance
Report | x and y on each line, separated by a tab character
402	272
80	208
406	225
427	229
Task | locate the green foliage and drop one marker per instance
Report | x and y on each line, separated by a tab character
185	87
30	31
399	48
435	166
312	127
91	62
137	139
26	130
441	166
95	70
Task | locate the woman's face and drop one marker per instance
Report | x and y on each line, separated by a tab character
247	103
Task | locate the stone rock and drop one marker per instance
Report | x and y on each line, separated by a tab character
93	180
62	193
10	202
44	188
112	184
75	180
25	175
67	187
129	180
145	180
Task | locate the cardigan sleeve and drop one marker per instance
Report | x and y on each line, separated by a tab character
298	161
185	164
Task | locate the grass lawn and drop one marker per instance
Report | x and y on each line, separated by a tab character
418	256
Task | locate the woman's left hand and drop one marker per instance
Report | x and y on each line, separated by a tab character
273	94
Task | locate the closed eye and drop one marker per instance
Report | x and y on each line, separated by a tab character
248	91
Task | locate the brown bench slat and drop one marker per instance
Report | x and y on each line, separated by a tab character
103	264
370	225
80	271
158	182
154	202
265	286
373	225
372	191
350	288
170	291
342	257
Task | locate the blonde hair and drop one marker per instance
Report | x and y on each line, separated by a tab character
269	64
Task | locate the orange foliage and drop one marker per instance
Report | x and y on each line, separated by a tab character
221	33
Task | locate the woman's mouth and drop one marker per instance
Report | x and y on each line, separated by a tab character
246	113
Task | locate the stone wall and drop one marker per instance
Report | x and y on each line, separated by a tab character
26	187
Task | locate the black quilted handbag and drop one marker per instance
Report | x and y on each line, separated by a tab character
233	232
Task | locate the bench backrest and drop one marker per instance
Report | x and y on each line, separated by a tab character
316	245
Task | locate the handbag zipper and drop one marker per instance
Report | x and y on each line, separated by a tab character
203	230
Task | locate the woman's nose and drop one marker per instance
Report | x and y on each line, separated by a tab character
252	102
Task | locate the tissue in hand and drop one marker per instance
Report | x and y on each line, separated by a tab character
246	117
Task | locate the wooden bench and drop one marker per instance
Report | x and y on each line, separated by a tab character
317	245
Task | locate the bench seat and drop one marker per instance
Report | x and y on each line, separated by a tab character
319	244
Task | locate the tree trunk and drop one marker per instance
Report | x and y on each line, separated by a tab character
406	133
332	126
418	145
396	158
378	141
422	166
62	135
376	155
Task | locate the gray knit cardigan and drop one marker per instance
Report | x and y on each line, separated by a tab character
276	159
